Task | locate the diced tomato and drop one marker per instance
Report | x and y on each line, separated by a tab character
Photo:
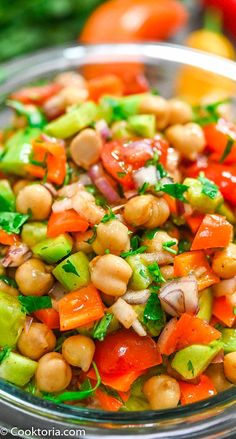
105	85
121	158
214	231
127	352
217	136
36	94
196	392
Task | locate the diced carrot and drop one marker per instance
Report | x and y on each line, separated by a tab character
195	262
196	392
48	316
105	85
214	231
194	221
8	239
107	402
67	221
223	310
121	383
51	157
80	308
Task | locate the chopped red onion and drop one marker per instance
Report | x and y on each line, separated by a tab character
145	175
16	255
51	189
130	194
84	179
164	336
136	297
62	205
162	258
103	129
180	296
219	358
28	323
124	313
138	328
57	291
225	287
101	181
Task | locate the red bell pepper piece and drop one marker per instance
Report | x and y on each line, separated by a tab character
214	231
196	392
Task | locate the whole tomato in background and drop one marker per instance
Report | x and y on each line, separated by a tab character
134	20
228	10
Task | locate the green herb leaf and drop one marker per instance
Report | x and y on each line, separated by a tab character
34	303
167	247
75	396
93	237
176	190
227	149
68	267
149	234
101	327
190	367
208	187
63	337
153	310
162	172
155	272
154	160
9	281
141	272
135	241
34	116
12	222
143	188
184	246
141	249
4	353
121	174
108	216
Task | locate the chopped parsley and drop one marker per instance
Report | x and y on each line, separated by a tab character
63	337
141	249
9	281
154	160
101	327
190	367
34	303
228	148
153	310
155	272
208	187
107	251
143	188
121	174
176	190
108	216
135	241
149	234
184	246
206	114
4	353
167	247
161	170
93	237
142	274
68	267
12	222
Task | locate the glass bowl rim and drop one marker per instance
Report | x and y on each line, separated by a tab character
149	52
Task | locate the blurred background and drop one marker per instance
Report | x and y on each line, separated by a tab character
29	25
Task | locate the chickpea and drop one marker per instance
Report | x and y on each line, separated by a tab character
81	243
147	211
37	341
84	203
36	199
158	106
78	351
5	288
53	373
180	112
230	367
110	274
85	148
113	236
188	139
33	279
224	262
217	375
72	95
20	184
167	271
162	392
155	244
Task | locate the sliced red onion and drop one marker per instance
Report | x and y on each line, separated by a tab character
180	296
16	255
136	297
28	323
184	209
62	205
103	129
103	184
162	258
51	189
124	313
84	179
145	175
219	358
57	291
164	336
130	194
225	287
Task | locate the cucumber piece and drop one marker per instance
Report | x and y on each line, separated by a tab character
17	369
229	340
141	277
52	250
205	305
143	125
7	197
33	232
12	319
73	273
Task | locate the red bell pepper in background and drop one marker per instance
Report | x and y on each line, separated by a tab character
196	392
228	10
214	231
217	136
35	95
189	262
67	221
48	316
105	85
223	310
134	20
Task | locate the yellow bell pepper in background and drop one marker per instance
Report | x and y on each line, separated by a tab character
193	84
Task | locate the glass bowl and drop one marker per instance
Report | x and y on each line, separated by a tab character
21	412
